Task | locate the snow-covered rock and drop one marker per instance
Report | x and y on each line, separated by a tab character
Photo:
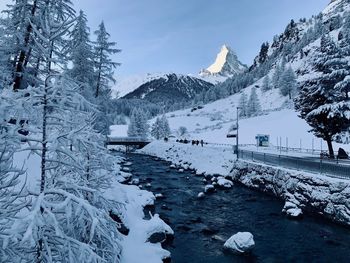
173	166
222	182
242	242
181	170
209	188
159	196
294	212
201	195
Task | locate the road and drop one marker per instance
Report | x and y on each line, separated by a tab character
333	168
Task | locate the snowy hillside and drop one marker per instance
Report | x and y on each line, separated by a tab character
213	122
129	84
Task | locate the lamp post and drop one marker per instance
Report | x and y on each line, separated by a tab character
237	132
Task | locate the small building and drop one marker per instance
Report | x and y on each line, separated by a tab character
262	140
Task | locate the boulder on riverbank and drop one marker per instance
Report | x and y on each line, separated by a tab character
240	243
224	183
292	210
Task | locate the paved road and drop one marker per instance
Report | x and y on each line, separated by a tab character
332	168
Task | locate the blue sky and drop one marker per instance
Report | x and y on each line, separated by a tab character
184	36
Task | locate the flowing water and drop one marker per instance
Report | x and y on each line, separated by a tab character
202	226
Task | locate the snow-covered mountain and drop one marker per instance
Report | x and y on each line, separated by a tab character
296	47
226	64
169	88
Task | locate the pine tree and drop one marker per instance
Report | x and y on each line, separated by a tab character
324	100
277	76
243	105
165	127
138	126
80	52
155	130
104	65
266	83
288	83
253	105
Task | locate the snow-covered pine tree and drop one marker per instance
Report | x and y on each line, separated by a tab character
155	129
138	126
165	126
243	104
266	83
80	53
253	105
277	76
288	83
323	101
104	65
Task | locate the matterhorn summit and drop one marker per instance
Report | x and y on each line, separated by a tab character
226	64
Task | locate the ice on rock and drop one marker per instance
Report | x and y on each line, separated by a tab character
240	243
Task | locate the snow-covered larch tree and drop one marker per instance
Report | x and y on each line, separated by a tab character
66	220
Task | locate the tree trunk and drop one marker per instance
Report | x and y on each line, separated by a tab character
330	148
23	56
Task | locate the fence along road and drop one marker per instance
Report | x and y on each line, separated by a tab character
340	169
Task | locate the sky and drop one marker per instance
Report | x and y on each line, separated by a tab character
184	36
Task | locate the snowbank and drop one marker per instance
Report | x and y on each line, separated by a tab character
319	194
135	247
205	160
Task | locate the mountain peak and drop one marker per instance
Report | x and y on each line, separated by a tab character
226	64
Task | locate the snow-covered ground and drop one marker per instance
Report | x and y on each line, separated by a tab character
205	160
213	122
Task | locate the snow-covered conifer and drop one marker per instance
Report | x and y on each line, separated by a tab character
288	83
253	105
323	101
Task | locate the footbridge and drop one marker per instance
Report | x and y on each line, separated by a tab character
128	142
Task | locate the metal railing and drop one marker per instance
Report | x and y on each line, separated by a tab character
334	168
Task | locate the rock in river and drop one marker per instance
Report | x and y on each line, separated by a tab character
240	243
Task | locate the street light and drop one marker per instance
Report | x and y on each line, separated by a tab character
238	108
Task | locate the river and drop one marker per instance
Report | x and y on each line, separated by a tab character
202	225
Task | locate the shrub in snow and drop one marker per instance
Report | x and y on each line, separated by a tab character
240	243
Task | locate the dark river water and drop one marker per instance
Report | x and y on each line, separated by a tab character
202	226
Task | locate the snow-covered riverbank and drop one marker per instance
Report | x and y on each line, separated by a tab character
205	160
